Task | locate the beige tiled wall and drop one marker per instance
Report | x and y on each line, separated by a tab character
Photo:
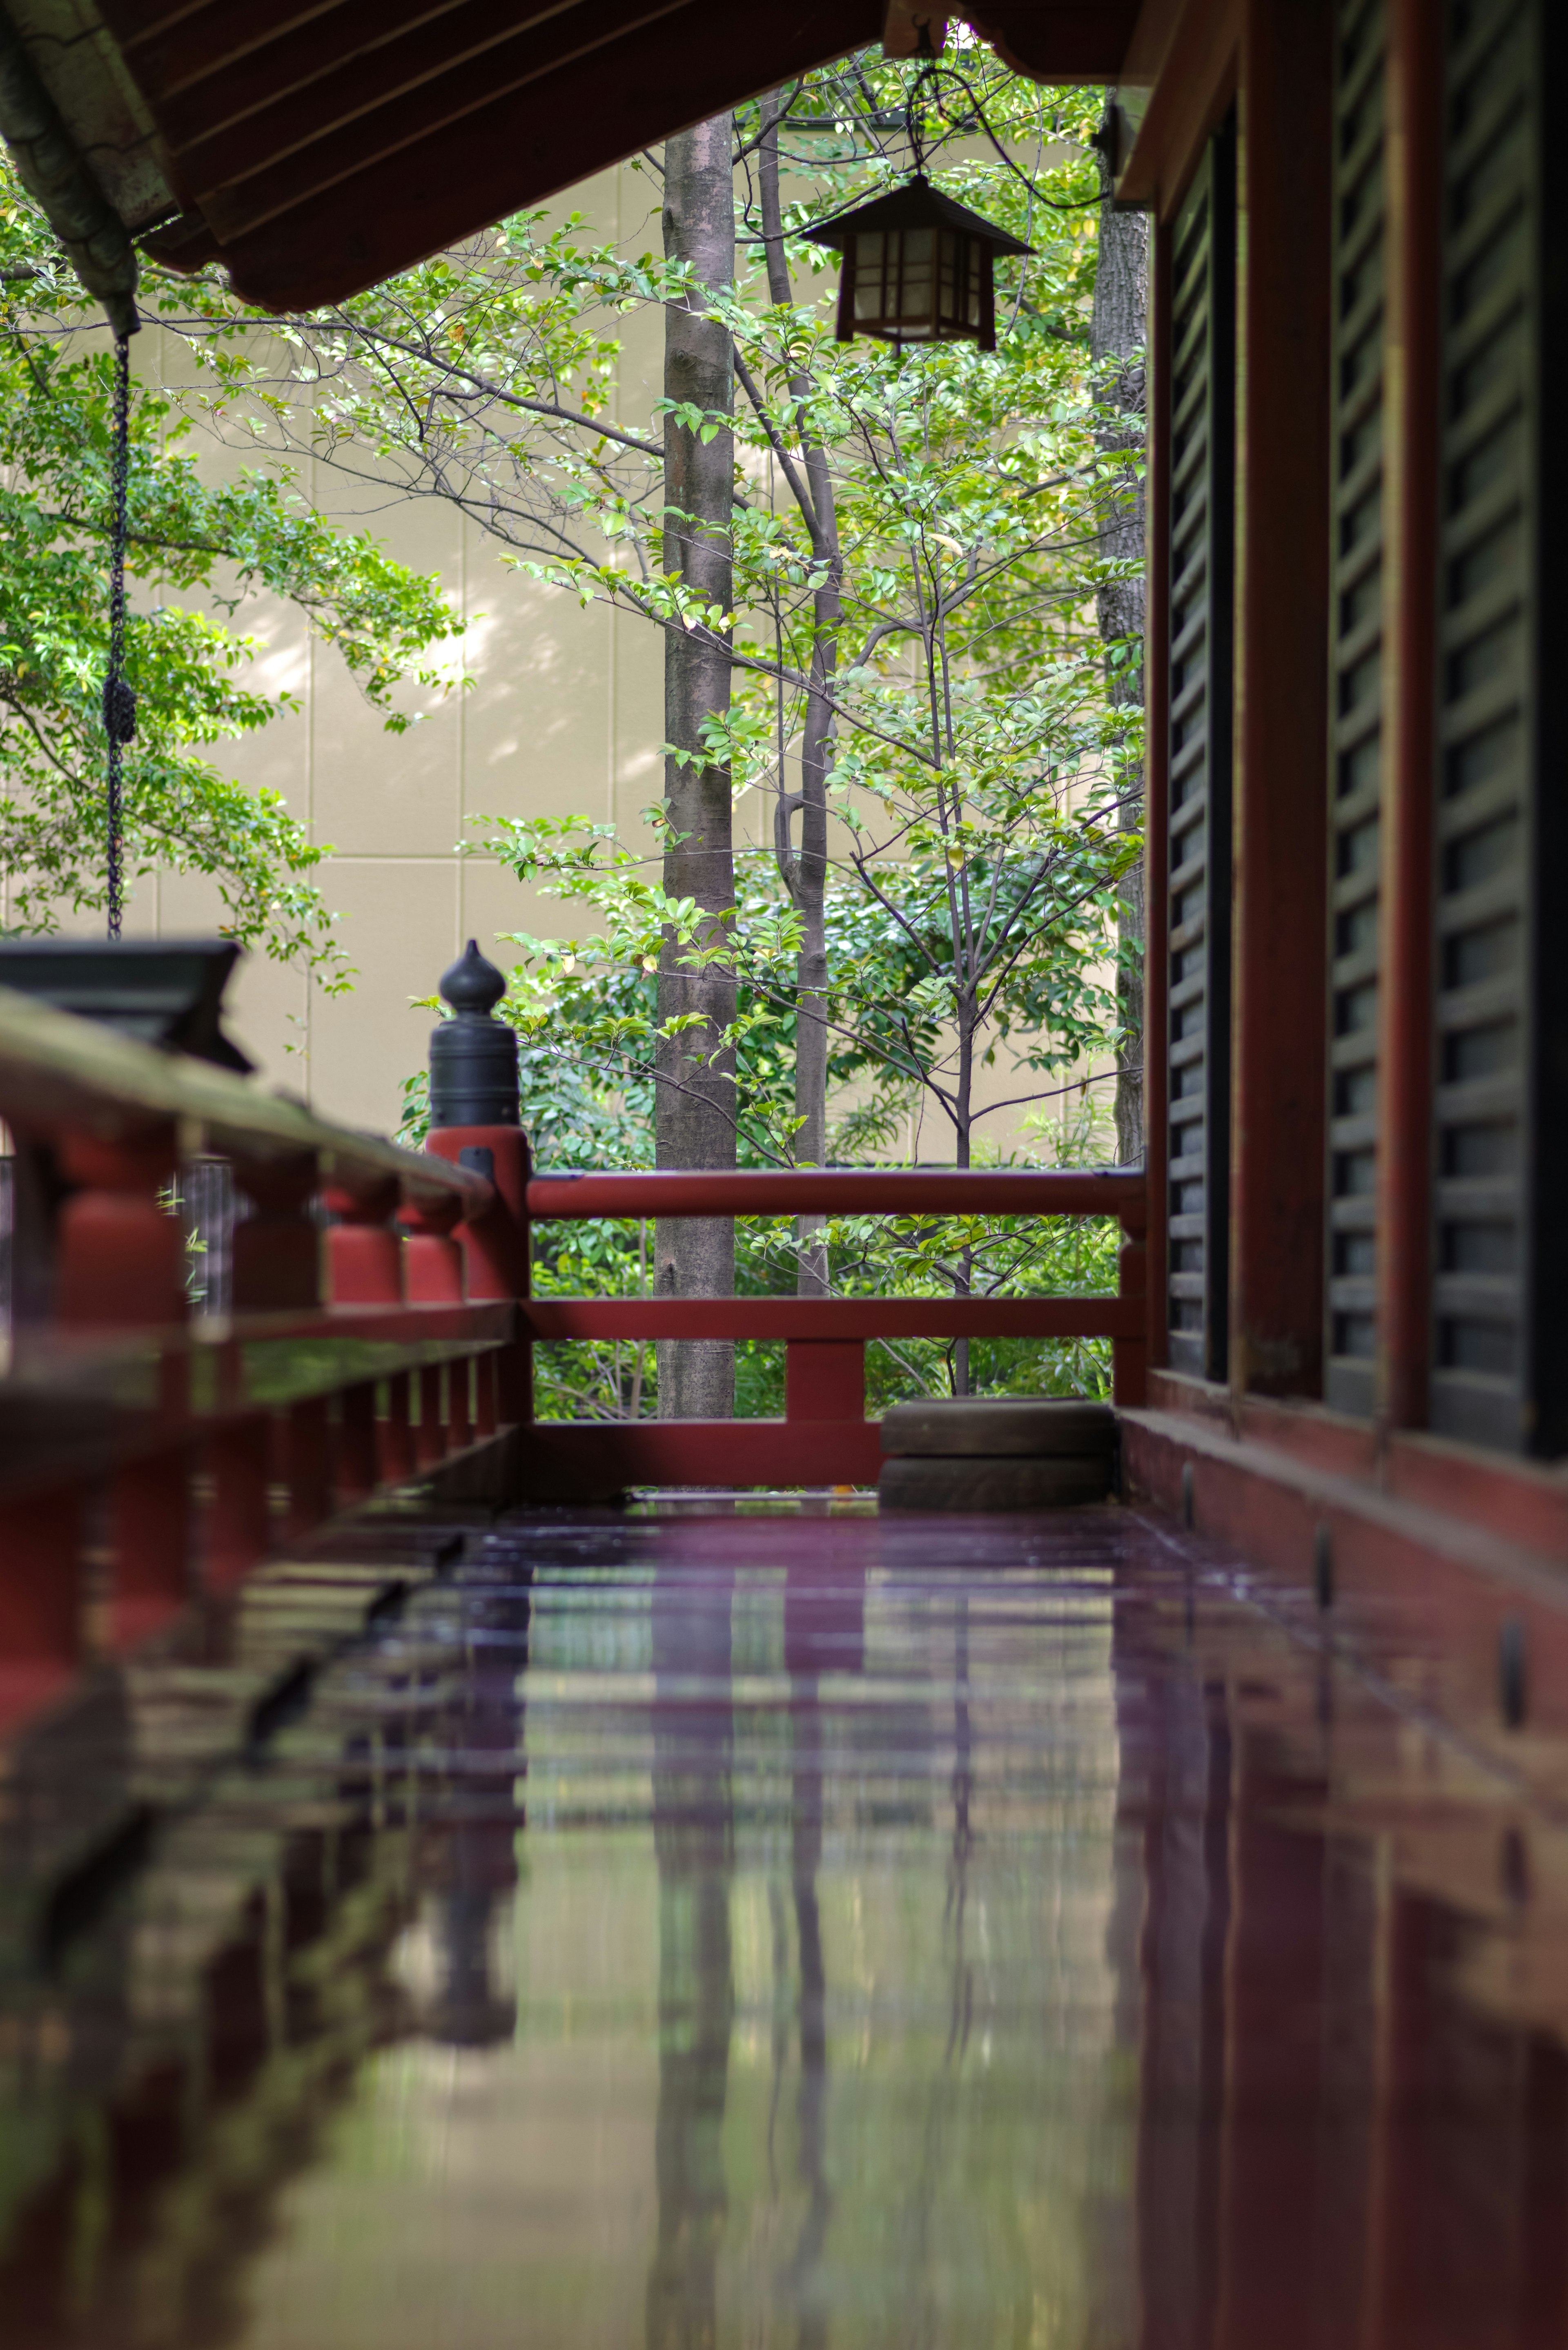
563	712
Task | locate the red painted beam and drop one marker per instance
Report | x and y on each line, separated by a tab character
860	1191
834	1317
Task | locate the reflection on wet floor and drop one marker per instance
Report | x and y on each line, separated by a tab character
688	1931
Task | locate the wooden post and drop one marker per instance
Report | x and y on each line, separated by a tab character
495	1247
364	1247
1129	1357
396	1432
40	1596
308	1465
432	1255
149	1509
277	1249
122	1256
431	1439
825	1379
1414	101
357	1467
238	1529
1157	794
1282	700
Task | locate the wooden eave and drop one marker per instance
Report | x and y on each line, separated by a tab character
315	146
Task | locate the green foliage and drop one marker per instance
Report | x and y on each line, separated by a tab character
979	774
188	664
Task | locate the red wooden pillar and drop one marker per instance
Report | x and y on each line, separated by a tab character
358	1466
432	1255
1412	87
364	1247
238	1529
459	1402
40	1598
150	1521
430	1438
277	1250
1282	704
121	1258
307	1465
121	1265
396	1432
1129	1357
485	1412
496	1246
1157	800
825	1379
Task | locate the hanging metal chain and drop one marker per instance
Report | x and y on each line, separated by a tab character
119	699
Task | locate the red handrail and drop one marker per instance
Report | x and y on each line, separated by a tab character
849	1192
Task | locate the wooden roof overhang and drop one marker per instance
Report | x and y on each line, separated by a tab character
315	146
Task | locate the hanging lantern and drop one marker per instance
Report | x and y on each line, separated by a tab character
917	268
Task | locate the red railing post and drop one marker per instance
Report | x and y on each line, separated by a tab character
40	1596
365	1248
307	1453
122	1256
495	1245
238	1529
396	1432
825	1379
358	1465
431	1440
150	1507
432	1256
1129	1355
277	1249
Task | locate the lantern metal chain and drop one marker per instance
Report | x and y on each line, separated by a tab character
119	698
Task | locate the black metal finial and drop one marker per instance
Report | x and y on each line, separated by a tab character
473	1055
473	984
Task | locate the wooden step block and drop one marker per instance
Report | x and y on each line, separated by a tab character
1056	1482
999	1426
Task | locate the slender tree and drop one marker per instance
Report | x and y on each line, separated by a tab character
695	1108
805	874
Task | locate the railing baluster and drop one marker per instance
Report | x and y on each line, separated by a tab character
430	1441
308	1453
40	1596
149	1522
238	1528
276	1249
358	1468
396	1432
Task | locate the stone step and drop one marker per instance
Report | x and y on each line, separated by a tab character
972	1483
999	1428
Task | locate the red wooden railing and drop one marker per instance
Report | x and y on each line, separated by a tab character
825	1436
147	1454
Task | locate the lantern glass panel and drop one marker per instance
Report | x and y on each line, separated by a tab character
913	308
870	265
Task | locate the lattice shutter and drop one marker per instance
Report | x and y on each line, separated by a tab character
1201	526
1500	1073
1355	783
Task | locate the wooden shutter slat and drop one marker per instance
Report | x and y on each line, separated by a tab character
1201	520
1356	727
1484	1382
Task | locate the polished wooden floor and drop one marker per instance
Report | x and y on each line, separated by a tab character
748	1928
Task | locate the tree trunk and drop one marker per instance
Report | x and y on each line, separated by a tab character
694	1110
805	874
1119	327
